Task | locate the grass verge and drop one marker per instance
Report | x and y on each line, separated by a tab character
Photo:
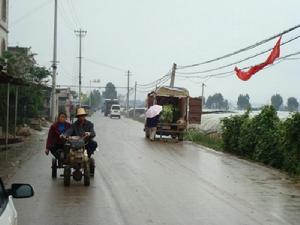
207	140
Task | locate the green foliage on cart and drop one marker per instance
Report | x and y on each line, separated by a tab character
169	114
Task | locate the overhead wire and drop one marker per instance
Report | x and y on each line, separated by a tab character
241	50
163	82
66	72
67	22
292	58
104	64
74	13
155	82
231	72
67	12
30	12
239	61
149	89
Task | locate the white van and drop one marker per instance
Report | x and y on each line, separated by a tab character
115	111
8	213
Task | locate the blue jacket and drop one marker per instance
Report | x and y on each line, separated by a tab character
152	122
77	129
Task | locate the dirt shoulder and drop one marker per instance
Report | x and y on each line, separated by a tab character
19	153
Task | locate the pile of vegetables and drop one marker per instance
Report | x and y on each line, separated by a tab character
168	113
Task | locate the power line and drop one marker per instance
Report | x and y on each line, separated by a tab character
243	49
149	89
68	13
156	81
156	85
74	13
292	59
31	12
289	55
104	64
83	86
66	72
242	60
68	23
231	72
163	82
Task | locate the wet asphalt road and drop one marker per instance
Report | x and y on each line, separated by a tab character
138	182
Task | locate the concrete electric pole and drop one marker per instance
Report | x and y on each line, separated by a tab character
202	96
54	67
173	75
80	33
135	89
128	89
90	98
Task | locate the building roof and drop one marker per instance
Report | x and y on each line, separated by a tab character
5	79
171	91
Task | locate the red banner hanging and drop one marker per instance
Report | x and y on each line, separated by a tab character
246	75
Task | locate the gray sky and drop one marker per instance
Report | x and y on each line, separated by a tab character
146	37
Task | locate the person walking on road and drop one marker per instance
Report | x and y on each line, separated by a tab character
152	115
151	124
83	127
54	140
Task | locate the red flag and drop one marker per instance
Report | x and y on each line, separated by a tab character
246	75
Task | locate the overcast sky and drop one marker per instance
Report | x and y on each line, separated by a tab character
147	36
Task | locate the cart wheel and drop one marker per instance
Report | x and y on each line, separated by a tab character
92	167
180	137
67	176
54	168
87	176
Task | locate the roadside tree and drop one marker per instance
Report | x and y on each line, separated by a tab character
292	104
243	102
276	101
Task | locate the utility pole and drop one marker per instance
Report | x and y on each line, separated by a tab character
16	110
127	100
202	97
54	66
135	88
90	94
94	81
80	33
173	75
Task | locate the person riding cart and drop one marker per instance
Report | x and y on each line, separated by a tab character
83	127
54	141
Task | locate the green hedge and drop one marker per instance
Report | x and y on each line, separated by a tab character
264	138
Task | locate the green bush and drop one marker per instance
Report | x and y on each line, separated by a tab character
263	138
290	144
231	130
267	133
247	139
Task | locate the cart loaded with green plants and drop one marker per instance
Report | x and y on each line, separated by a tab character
179	110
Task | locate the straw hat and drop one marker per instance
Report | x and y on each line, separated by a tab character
81	112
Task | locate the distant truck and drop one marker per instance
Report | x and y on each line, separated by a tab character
188	110
107	105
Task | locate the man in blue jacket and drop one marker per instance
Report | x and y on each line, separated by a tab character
83	127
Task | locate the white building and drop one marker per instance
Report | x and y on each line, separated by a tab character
3	25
